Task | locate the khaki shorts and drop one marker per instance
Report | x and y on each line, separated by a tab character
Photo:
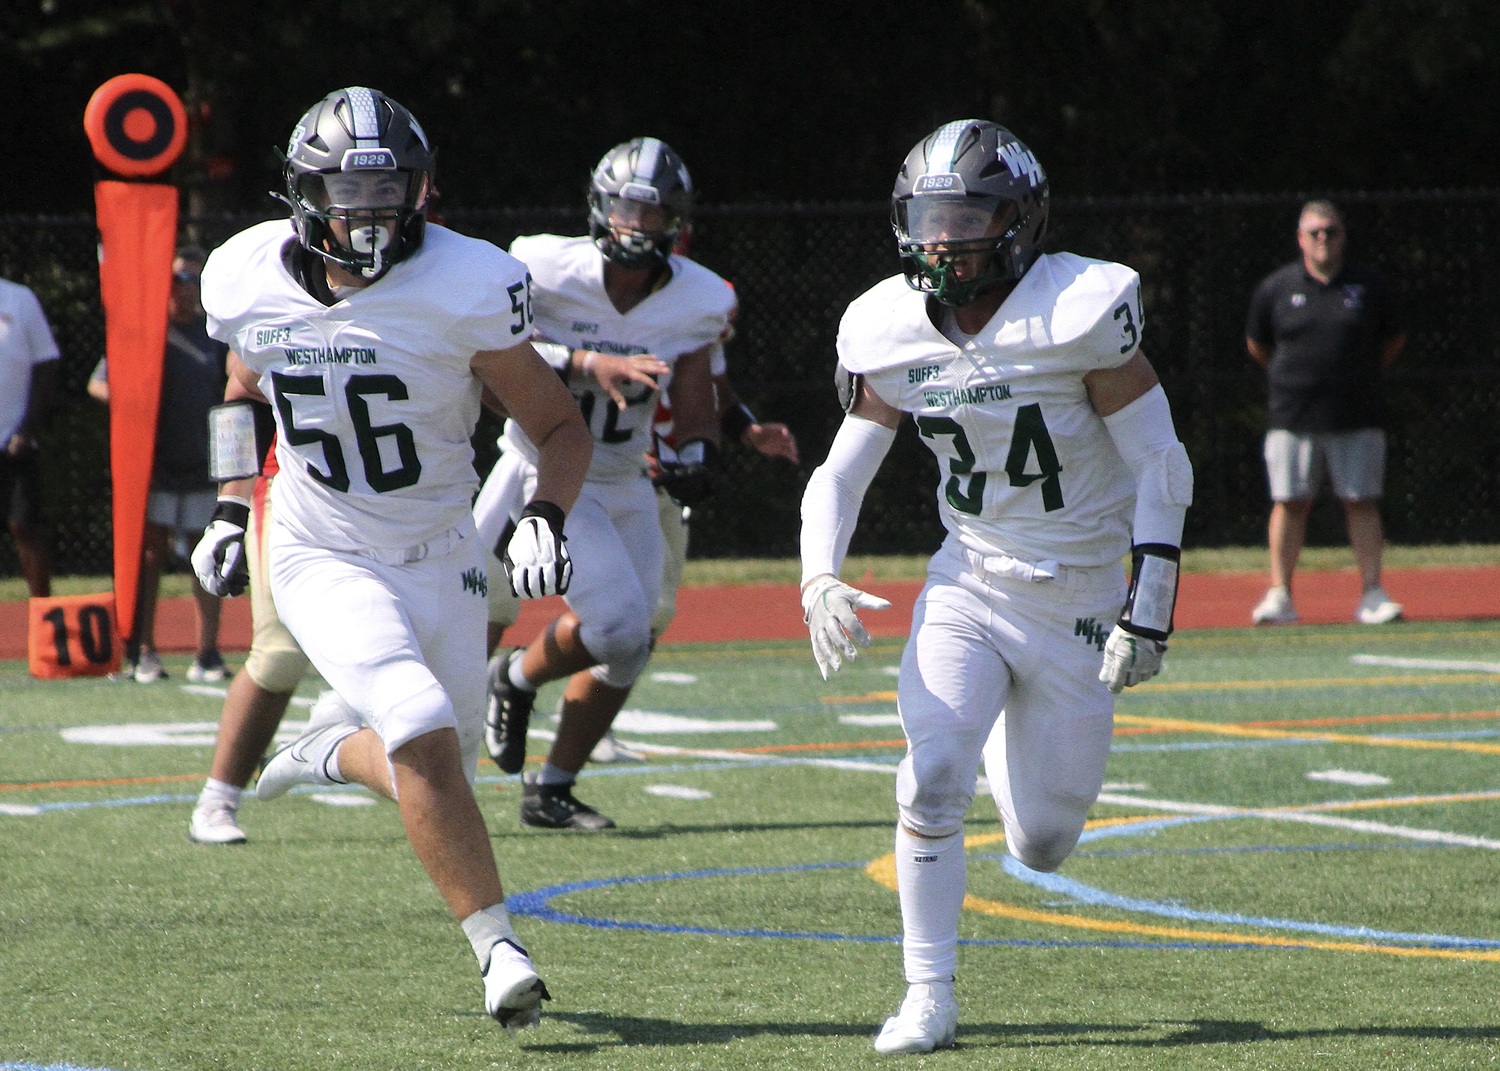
1354	462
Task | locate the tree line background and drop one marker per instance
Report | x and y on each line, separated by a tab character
778	101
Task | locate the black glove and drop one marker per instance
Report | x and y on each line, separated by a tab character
219	557
689	479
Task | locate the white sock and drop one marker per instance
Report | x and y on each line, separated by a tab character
220	792
487	928
931	875
555	775
517	678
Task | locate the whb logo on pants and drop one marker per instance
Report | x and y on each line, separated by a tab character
477	581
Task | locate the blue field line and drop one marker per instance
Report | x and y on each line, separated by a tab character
1088	894
537	904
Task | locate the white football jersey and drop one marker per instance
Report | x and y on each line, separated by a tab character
375	401
689	312
1027	467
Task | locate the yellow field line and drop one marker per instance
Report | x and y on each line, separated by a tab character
883	872
1183	725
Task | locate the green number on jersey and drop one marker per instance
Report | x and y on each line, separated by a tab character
1030	437
965	500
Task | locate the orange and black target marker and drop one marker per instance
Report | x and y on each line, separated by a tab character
136	125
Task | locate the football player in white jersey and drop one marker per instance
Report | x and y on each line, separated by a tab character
621	317
1057	457
372	334
500	500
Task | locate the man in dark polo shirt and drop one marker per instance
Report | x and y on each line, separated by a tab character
1325	330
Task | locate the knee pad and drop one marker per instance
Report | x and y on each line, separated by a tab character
1043	833
419	711
277	667
934	788
621	668
1044	849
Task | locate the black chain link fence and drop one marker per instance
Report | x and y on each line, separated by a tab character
796	267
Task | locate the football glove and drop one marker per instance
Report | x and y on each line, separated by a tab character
1130	659
828	608
219	558
689	478
536	558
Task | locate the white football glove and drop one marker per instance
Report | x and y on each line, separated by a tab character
536	558
1130	659
828	606
219	558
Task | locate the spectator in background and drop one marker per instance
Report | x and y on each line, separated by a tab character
28	374
1325	330
182	495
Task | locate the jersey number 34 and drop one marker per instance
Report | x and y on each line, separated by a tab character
964	488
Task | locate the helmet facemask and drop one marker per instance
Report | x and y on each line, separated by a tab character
361	220
956	247
630	228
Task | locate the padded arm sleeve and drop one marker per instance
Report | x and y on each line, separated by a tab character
831	503
1147	441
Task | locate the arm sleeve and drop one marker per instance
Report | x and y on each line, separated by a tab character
831	503
1147	441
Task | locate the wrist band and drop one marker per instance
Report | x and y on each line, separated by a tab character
588	361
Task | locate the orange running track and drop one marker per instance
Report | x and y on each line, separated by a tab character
772	611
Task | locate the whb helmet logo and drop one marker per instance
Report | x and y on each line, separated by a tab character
1021	162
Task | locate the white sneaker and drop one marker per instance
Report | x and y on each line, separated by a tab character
214	823
208	669
148	668
1275	609
927	1020
608	749
513	991
304	761
1377	608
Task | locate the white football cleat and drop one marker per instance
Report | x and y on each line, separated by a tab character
927	1020
1377	608
304	761
608	749
513	991
1275	609
215	823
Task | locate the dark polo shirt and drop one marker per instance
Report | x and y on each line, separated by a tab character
1325	342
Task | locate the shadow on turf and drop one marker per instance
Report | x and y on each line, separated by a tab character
631	1030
